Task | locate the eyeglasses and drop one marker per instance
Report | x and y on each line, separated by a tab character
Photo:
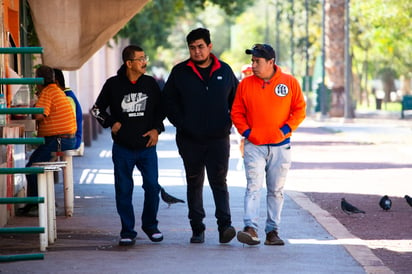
141	59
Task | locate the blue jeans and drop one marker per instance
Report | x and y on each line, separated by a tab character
124	161
212	155
43	153
271	163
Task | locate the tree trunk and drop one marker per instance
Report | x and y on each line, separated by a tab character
335	54
406	85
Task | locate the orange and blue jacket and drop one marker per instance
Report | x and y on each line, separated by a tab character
266	112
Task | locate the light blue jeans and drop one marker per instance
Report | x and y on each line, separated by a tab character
271	163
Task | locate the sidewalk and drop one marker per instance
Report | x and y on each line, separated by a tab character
87	242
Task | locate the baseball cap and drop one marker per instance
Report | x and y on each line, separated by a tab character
246	68
262	50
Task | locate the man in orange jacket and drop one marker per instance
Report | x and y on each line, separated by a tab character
268	107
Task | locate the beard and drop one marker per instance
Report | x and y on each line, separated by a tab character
200	62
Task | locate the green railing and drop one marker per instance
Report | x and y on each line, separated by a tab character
21	50
22	200
21	170
21	81
21	257
22	230
22	141
25	170
21	110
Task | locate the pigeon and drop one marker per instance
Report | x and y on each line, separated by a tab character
348	208
408	200
385	203
169	199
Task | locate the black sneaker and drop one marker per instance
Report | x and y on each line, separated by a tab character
29	210
127	241
154	234
227	234
197	238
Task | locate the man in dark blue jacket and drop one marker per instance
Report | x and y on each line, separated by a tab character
198	96
136	120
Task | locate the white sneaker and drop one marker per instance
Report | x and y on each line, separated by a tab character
127	242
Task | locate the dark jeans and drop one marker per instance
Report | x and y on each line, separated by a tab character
212	155
43	153
124	161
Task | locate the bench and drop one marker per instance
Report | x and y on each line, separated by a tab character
48	190
406	104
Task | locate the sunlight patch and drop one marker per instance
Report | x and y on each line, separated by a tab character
392	245
105	154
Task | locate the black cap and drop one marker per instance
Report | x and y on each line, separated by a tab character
262	50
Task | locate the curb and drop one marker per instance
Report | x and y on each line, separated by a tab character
356	247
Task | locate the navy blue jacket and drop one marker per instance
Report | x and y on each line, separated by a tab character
200	109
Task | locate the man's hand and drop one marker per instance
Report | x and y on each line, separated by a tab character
38	117
153	137
116	127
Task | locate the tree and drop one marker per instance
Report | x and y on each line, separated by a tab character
151	27
381	41
335	54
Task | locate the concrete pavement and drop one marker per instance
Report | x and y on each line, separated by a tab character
87	242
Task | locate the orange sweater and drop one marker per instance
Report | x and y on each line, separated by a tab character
265	107
58	112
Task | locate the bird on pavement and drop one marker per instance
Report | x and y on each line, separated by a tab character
169	199
408	200
348	208
385	203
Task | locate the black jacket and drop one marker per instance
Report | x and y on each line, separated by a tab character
200	109
136	106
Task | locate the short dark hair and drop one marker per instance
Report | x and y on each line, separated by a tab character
59	78
128	52
199	33
47	73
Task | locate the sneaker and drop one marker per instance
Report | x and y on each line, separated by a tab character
127	241
227	234
29	210
272	238
248	236
197	237
154	234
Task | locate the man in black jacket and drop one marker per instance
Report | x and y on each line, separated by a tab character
136	120
198	96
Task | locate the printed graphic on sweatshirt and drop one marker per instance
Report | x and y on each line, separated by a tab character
134	104
281	90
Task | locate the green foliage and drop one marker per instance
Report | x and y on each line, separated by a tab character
230	7
380	32
150	27
153	26
382	29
